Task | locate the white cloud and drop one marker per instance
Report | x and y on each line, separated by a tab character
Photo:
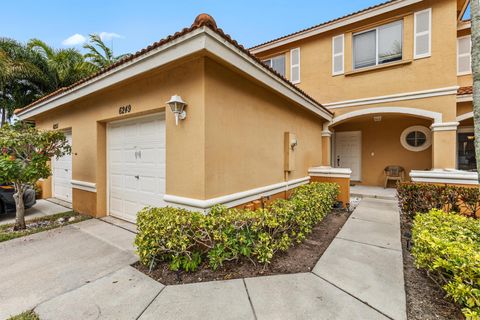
105	36
74	40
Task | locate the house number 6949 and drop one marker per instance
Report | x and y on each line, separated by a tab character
125	109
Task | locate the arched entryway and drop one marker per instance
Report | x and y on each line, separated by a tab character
368	140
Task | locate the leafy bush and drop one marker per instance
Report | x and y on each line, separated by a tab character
185	239
421	198
448	246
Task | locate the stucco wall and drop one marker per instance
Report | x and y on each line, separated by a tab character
437	71
88	116
381	147
245	125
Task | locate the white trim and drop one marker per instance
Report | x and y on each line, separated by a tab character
326	133
234	199
334	25
84	185
465	116
424	130
445	126
334	55
196	41
330	172
435	116
394	97
416	35
465	98
292	66
461	55
448	176
462	25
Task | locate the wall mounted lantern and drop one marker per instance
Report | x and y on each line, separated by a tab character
177	105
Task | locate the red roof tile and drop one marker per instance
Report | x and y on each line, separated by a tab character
202	20
325	23
465	90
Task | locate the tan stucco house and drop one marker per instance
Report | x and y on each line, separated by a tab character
248	132
397	77
394	81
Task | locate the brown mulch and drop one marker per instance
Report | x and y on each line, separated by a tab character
425	299
300	258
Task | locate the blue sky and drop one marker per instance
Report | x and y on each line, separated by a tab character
132	25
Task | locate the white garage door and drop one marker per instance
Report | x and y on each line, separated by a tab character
136	165
62	175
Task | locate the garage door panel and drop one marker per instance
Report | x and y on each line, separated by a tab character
137	168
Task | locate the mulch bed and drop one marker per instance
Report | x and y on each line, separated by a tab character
425	299
300	258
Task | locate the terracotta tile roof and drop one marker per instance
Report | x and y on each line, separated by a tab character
202	20
465	90
327	22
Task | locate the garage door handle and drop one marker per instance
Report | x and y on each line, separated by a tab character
137	177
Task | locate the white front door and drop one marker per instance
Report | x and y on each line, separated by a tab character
348	152
62	175
136	165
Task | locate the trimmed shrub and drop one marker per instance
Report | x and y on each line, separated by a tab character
448	246
185	239
416	198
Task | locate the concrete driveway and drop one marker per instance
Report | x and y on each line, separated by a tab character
42	208
39	267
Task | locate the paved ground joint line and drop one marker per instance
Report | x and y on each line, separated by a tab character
116	225
150	303
368	220
353	296
249	299
369	244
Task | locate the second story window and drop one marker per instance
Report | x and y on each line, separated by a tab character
277	63
378	46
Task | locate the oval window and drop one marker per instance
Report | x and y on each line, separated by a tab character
416	138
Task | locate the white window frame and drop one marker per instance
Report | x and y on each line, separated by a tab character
429	32
376	45
424	130
464	55
273	57
292	66
334	55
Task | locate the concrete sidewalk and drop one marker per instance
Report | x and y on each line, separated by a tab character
360	276
42	208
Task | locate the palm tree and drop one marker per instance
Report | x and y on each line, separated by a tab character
99	54
475	16
66	66
24	77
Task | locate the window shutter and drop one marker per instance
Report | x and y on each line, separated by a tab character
464	60
338	50
295	65
423	34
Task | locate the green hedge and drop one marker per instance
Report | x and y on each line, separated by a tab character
448	246
421	198
184	239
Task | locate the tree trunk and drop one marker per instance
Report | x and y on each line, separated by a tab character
3	110
20	206
475	15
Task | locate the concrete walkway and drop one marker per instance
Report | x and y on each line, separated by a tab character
360	276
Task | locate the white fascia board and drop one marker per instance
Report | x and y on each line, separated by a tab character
465	98
437	92
234	199
334	25
201	39
176	49
231	54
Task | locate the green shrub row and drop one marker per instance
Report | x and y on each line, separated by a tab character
421	198
448	246
185	239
